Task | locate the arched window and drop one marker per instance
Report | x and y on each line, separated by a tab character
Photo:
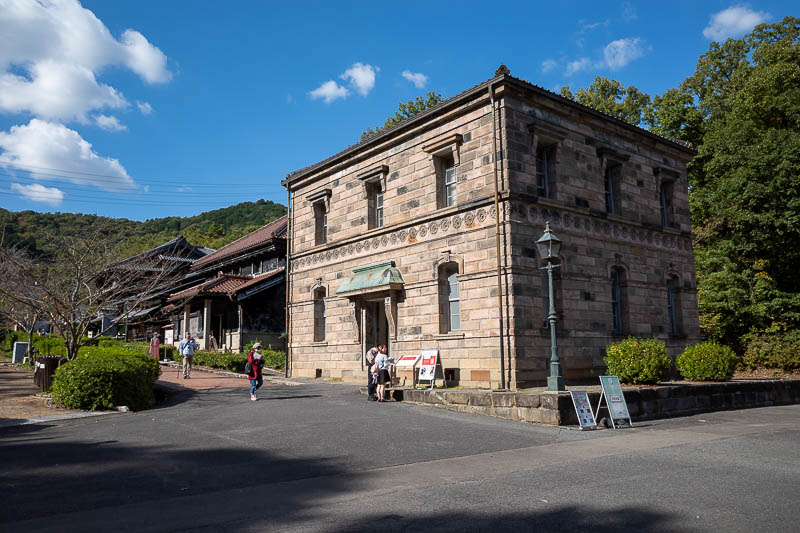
449	298
319	314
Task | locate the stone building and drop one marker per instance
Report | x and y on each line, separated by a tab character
395	240
236	294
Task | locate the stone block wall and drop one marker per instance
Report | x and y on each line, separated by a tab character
418	235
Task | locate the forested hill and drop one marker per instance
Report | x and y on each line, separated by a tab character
212	228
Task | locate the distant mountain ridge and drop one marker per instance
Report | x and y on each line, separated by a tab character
213	229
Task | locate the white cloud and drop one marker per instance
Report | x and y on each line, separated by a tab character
417	78
52	52
578	65
549	64
361	77
144	108
591	26
629	13
330	91
40	145
619	53
733	22
109	123
39	193
143	58
56	90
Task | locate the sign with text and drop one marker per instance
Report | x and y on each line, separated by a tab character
168	336
615	399
427	369
580	399
408	360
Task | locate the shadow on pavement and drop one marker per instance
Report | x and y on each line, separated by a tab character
567	518
69	476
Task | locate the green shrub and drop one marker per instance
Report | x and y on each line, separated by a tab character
10	337
49	345
707	361
169	352
638	360
772	351
105	377
274	359
108	342
225	360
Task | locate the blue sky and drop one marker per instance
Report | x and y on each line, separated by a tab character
142	109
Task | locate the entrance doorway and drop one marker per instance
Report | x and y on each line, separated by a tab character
376	327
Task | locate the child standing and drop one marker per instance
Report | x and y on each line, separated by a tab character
256	361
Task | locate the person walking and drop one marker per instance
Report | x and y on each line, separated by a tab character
383	362
155	344
372	384
187	348
256	361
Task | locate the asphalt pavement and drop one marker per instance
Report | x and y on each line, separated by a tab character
319	457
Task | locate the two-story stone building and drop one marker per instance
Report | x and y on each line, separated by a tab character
395	240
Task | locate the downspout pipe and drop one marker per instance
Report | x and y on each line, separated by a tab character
497	239
287	273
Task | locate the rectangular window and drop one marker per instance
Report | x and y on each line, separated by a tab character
320	223
616	302
374	204
379	209
449	183
612	189
665	201
246	270
543	171
671	311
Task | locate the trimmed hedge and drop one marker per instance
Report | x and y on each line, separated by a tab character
772	351
707	361
105	377
638	361
235	361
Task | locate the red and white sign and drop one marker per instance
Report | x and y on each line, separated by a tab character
427	368
407	360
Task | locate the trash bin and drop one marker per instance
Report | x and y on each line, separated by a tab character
45	368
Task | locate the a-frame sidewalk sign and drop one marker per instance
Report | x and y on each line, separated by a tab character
615	402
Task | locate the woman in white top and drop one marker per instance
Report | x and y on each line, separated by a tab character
383	361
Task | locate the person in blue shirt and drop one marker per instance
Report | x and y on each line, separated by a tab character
187	348
383	362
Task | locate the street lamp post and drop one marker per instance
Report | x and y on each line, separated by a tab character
549	246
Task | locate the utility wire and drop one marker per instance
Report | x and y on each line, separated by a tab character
165	181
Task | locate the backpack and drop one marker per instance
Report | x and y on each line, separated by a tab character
248	368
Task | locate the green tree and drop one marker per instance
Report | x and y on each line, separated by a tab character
742	108
612	98
405	111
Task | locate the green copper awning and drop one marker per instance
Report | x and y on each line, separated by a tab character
372	278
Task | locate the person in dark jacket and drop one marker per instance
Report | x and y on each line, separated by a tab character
256	360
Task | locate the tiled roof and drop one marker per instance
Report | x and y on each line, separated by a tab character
456	99
274	230
226	284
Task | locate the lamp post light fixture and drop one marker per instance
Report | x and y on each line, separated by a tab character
549	246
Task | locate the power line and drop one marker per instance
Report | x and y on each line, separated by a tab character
115	179
4	178
142	203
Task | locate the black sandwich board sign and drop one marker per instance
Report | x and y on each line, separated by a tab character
615	401
580	399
